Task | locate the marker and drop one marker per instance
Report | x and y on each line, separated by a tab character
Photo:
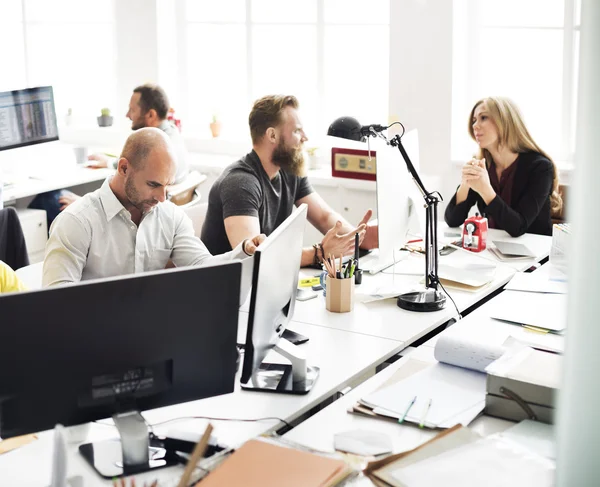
422	423
310	281
410	405
356	248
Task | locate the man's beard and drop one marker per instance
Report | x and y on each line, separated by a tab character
134	197
291	160
138	124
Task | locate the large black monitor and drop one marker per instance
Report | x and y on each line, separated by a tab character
114	347
274	284
27	117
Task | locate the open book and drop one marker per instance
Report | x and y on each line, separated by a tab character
445	393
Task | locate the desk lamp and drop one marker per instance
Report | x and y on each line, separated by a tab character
430	299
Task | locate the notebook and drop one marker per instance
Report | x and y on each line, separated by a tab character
262	464
447	393
505	250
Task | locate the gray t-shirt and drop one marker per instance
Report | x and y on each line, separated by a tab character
244	189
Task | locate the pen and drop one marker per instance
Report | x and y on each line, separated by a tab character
410	405
356	248
422	423
352	270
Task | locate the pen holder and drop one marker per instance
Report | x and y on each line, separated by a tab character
340	295
358	273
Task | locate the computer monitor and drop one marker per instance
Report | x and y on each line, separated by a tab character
274	284
394	191
27	117
113	347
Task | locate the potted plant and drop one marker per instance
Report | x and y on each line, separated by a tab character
105	119
215	126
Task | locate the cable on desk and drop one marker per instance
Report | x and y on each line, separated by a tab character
448	294
211	418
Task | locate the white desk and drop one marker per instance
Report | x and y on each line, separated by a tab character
318	431
343	358
386	320
62	179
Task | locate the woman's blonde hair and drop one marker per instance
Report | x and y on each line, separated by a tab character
513	134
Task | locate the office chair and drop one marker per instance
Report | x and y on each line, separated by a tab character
13	249
186	192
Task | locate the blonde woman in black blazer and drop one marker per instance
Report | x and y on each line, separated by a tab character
513	182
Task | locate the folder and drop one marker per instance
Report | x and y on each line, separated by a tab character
260	463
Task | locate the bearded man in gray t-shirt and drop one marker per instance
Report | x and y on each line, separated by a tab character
258	192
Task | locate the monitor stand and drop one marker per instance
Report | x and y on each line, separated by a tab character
297	378
131	454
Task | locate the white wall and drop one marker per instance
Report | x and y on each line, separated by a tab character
421	82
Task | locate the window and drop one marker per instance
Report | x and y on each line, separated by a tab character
331	54
68	44
526	51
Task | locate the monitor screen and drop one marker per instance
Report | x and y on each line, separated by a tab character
78	353
272	301
27	117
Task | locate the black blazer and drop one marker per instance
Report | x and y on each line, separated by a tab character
529	210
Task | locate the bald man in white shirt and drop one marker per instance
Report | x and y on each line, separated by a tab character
126	226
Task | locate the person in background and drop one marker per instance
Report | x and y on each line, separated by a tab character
126	226
513	182
148	107
258	192
9	281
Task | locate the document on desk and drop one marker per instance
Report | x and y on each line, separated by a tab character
530	282
446	393
490	461
543	311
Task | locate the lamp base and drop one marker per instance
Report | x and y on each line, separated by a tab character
428	300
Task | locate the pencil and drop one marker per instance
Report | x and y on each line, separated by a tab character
422	423
410	405
196	455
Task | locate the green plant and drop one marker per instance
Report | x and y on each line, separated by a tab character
312	150
215	118
105	112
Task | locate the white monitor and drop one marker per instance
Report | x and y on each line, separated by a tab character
395	188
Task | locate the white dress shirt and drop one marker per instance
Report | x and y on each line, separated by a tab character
95	237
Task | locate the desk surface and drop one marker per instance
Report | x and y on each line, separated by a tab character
343	358
318	431
72	176
386	320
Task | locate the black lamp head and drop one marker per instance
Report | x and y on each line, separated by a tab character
347	128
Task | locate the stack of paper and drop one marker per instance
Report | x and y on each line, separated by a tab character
509	250
542	311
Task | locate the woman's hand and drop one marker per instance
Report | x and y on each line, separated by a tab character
476	177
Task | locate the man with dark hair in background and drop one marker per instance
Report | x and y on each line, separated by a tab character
148	107
258	192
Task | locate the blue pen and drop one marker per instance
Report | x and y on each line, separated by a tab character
410	405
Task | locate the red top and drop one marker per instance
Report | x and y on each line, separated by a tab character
503	187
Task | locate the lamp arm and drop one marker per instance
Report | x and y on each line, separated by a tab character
431	202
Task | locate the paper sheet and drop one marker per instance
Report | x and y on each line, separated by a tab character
533	283
546	311
490	462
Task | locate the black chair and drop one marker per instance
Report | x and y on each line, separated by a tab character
13	249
